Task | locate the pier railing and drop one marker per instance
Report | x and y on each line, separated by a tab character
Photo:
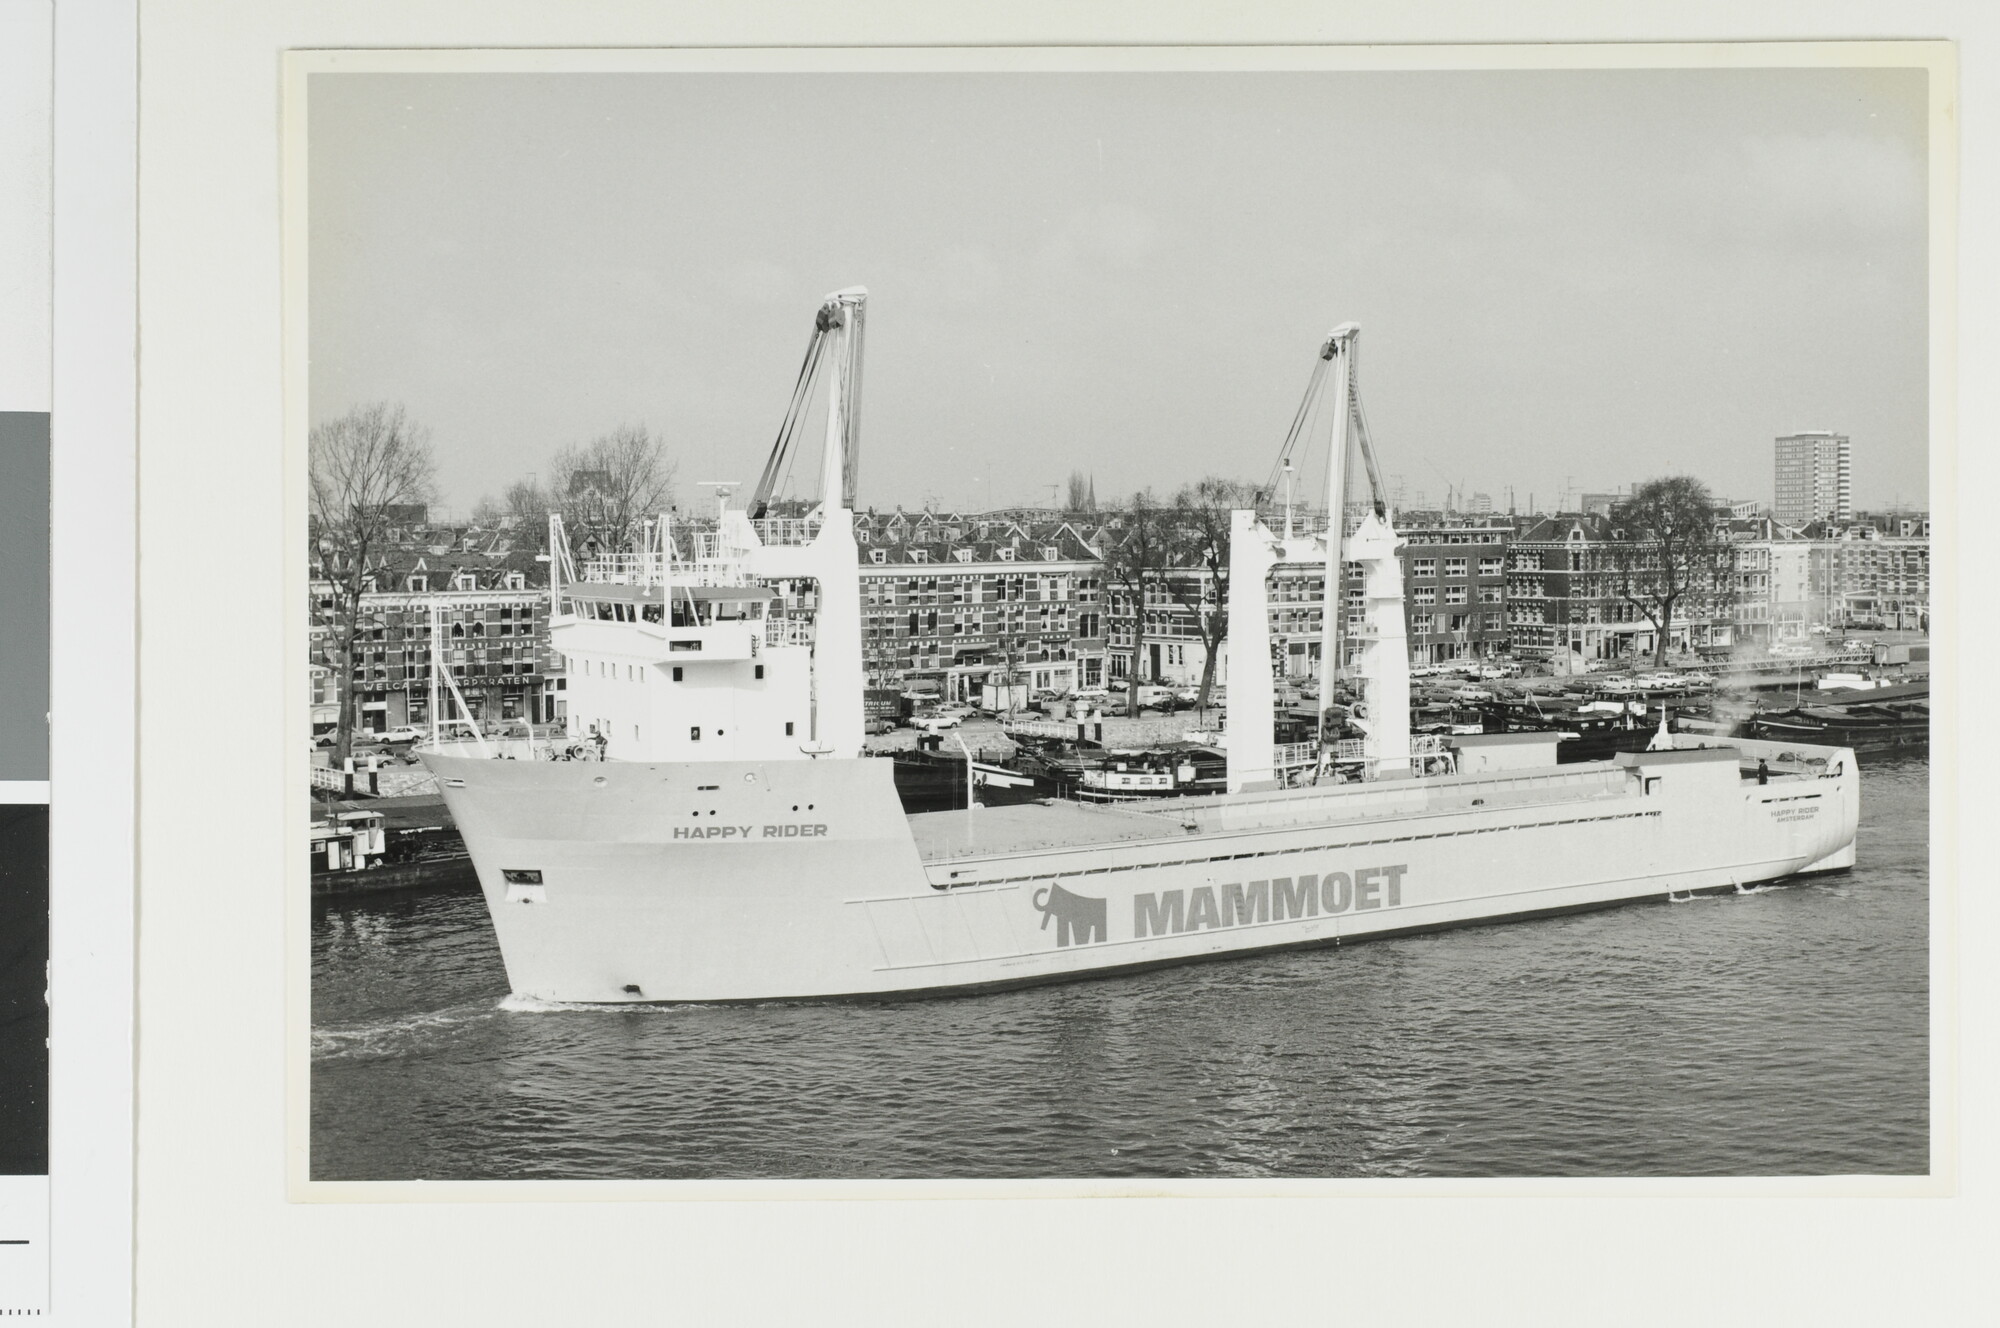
1066	729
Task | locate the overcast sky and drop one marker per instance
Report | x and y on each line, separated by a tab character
1564	279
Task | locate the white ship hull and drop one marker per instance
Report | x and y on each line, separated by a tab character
734	881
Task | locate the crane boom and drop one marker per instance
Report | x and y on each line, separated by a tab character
837	323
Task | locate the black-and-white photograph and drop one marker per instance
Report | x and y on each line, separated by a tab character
1129	624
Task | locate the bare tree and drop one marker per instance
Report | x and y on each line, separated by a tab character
610	486
365	470
1666	551
1198	540
1080	498
1133	554
488	513
527	503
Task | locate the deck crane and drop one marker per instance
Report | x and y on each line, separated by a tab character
1382	663
839	326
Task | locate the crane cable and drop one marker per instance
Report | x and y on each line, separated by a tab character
760	500
1307	407
1362	437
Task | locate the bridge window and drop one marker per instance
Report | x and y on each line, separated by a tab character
694	734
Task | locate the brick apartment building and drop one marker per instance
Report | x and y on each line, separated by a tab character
1563	602
964	599
493	617
1454	579
1872	572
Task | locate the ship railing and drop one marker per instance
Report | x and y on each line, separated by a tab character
540	746
1354	751
788	632
710	546
1294	755
716	562
787	530
627	569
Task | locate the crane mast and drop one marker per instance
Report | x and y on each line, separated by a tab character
1382	656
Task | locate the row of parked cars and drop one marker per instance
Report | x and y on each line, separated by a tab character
933	716
1620	683
1492	670
404	735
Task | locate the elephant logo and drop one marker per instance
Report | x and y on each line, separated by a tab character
1079	918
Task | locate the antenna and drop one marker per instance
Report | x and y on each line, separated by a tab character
723	490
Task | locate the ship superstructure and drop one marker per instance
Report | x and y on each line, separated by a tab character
710	831
736	642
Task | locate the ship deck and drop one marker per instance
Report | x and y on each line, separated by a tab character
957	835
1026	827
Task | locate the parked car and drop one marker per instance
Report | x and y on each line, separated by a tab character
880	724
402	733
936	723
957	709
1086	699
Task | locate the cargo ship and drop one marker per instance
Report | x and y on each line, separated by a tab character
708	829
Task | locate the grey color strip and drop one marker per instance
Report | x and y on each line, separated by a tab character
24	595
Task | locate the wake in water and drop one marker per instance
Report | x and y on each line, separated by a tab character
1741	890
391	1038
513	1004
